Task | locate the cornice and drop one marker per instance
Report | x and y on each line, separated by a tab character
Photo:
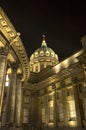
71	71
9	32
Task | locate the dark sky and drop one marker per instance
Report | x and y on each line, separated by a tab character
63	22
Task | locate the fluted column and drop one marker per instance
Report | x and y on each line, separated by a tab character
10	108
18	112
3	64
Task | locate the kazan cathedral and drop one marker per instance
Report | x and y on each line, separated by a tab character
41	93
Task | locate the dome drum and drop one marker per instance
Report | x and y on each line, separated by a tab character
44	54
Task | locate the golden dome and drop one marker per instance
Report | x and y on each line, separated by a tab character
44	53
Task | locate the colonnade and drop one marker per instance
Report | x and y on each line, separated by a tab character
11	95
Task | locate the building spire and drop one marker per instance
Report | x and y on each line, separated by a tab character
43	41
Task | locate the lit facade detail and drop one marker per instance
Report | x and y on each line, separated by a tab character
25	116
51	114
44	93
43	115
60	111
7	81
72	110
42	58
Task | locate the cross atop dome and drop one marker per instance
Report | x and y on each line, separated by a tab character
43	41
43	37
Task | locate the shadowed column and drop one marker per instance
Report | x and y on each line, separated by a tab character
18	118
10	107
3	64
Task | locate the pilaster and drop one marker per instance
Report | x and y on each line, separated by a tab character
55	106
78	104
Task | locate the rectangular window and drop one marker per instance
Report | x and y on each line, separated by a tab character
72	110
25	115
51	113
60	112
43	115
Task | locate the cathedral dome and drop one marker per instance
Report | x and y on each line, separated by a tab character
44	54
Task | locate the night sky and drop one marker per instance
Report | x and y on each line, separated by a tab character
63	22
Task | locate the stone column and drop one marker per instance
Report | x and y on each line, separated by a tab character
77	104
55	107
10	107
18	117
3	64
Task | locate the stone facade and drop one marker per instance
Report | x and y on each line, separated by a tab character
43	93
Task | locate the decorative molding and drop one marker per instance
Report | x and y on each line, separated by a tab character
13	39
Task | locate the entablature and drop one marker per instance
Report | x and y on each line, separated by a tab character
73	71
13	41
62	68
